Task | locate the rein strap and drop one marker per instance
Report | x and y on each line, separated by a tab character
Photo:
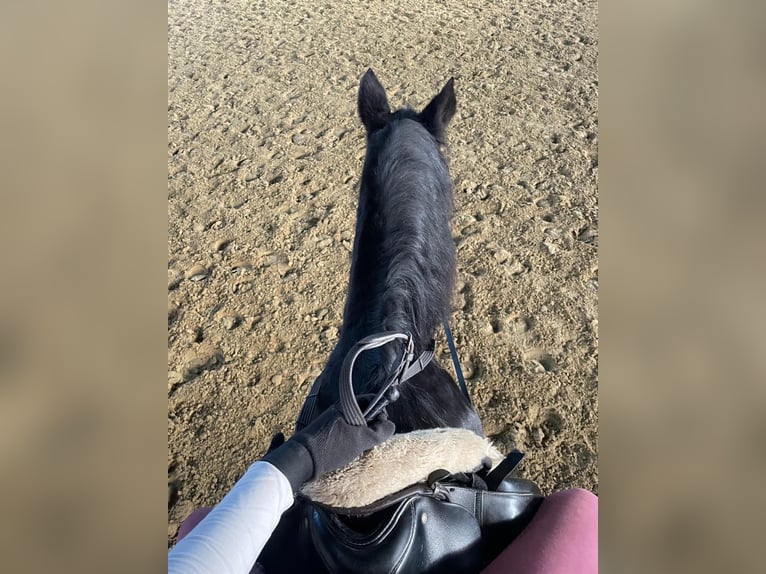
409	366
455	362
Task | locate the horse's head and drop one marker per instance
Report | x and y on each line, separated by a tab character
375	112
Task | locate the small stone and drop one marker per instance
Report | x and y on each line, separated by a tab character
501	255
230	321
554	232
276	379
516	268
536	367
221	244
240	266
244	287
469	186
196	273
330	333
237	201
283	269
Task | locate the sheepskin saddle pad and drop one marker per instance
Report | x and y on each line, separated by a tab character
401	461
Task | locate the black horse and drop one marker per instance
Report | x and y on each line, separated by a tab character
402	277
403	265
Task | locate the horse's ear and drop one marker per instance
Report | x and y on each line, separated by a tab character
373	104
437	115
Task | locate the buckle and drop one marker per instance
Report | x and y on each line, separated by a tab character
390	391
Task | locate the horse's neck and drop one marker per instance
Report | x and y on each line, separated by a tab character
368	270
371	305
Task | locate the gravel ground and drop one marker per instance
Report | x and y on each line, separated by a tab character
264	156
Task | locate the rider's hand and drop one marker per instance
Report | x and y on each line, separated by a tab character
328	443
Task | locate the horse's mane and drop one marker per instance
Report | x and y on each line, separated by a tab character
411	183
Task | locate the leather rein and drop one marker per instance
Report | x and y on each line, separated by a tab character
409	366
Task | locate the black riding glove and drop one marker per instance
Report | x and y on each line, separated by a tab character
328	443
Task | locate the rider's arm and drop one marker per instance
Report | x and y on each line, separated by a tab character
230	538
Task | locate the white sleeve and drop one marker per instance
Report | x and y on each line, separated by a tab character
230	538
